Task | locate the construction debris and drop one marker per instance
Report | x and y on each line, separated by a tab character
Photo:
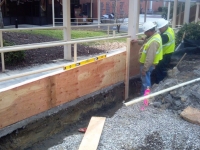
191	114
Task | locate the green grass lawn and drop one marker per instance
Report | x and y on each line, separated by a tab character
76	34
58	34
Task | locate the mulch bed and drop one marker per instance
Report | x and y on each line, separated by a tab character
42	55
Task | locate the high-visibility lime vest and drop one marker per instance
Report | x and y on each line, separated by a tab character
170	45
159	53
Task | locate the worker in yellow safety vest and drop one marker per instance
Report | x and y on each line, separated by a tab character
168	41
150	53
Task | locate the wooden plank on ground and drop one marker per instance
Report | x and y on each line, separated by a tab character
91	138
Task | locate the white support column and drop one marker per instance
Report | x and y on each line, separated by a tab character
91	8
174	14
116	11
67	29
180	10
133	15
99	12
150	5
197	13
138	18
2	54
164	4
187	11
145	10
53	13
168	12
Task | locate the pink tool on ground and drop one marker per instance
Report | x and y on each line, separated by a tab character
147	92
146	101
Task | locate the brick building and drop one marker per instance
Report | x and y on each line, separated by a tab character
152	5
39	12
107	6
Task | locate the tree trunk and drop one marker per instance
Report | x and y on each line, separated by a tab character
118	28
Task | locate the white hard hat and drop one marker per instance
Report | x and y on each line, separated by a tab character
161	23
147	26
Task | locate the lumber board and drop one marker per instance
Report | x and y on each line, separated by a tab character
134	60
93	133
127	68
34	97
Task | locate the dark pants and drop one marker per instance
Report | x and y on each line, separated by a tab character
161	68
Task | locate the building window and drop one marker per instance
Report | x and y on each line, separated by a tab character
76	2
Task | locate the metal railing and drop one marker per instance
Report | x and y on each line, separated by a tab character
52	44
44	45
43	28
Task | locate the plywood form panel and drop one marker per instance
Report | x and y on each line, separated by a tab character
116	72
38	96
121	63
24	101
66	86
91	77
134	59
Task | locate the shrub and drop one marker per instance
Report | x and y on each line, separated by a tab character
13	57
164	12
192	32
160	9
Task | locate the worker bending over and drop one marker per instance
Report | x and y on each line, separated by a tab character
150	53
168	41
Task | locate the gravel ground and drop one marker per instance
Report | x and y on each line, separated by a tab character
155	128
151	129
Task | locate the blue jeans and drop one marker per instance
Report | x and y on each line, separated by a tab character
146	79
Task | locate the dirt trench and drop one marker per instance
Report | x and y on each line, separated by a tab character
101	103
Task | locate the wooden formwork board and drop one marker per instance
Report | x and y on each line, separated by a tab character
134	59
41	95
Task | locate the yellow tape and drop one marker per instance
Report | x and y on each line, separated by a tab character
84	62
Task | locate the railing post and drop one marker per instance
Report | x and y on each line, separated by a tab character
197	12
2	54
187	11
75	52
128	42
67	29
108	31
174	14
99	11
113	33
53	13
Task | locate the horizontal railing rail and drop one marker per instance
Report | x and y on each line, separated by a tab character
32	28
46	28
44	45
49	44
